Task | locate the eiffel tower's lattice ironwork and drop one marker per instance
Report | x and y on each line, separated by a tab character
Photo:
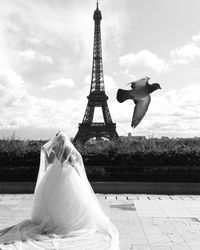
97	97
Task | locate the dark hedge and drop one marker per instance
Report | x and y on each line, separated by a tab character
149	152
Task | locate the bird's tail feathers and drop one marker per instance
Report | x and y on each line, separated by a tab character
122	95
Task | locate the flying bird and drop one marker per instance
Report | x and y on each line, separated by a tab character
140	94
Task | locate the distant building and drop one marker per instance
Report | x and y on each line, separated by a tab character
130	137
164	137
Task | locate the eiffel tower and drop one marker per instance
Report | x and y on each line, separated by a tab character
97	97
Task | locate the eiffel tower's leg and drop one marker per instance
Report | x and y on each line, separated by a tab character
83	134
89	113
106	113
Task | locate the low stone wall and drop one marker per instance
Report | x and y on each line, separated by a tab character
114	187
113	173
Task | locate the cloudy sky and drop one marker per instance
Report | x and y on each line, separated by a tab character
46	61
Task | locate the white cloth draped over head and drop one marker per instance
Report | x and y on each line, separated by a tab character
66	213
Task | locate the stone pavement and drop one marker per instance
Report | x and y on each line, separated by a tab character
157	222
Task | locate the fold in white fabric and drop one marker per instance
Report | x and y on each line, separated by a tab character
66	213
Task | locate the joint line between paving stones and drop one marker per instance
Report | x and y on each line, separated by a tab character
173	225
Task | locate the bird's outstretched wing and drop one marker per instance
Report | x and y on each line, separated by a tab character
140	110
123	95
139	83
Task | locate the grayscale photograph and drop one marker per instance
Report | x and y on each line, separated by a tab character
99	125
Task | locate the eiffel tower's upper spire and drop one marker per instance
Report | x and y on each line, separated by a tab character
97	13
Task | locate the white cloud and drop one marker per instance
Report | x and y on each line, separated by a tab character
128	75
186	53
12	87
21	109
174	112
110	84
87	80
143	58
14	99
31	55
63	82
178	61
196	38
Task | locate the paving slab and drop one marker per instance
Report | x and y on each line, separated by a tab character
148	222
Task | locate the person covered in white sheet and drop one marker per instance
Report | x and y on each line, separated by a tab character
66	213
